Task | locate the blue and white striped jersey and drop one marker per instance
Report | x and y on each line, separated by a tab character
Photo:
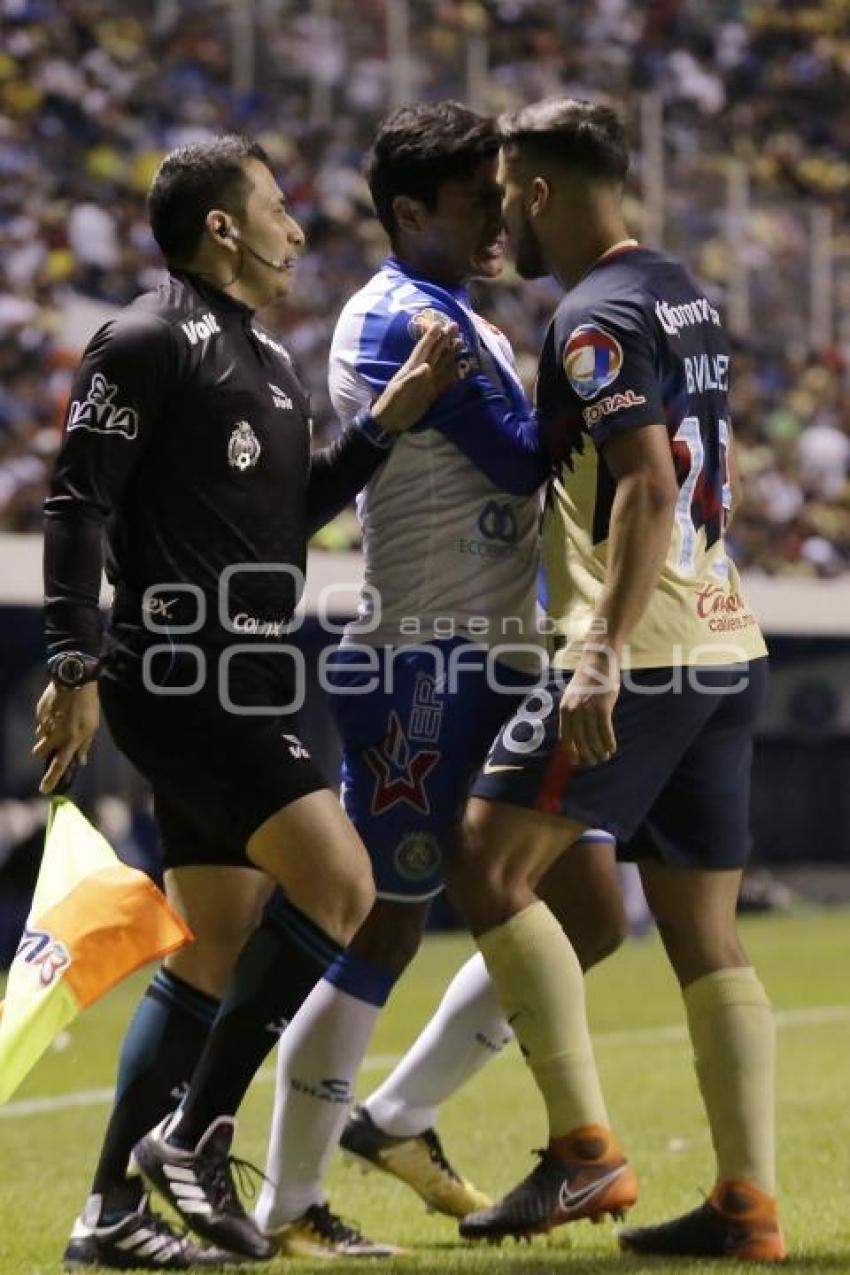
450	522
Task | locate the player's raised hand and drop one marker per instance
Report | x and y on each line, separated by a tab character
586	728
430	369
66	722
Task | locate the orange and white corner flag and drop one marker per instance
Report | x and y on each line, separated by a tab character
92	921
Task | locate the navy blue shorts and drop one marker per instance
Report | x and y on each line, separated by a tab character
678	787
413	737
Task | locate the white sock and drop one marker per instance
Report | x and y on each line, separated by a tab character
327	1038
467	1030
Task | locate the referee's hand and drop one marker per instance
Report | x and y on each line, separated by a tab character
66	722
431	369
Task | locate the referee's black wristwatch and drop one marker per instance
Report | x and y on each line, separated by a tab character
70	669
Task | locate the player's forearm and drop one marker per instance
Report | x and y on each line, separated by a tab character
638	542
503	443
73	565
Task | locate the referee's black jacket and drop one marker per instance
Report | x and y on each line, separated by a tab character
187	441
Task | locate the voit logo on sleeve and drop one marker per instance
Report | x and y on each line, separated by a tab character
592	359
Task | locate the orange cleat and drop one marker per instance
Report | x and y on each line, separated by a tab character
583	1175
737	1220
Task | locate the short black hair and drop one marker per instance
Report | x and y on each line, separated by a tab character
193	179
588	136
418	148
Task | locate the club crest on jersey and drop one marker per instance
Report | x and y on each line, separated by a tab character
592	359
99	413
425	319
243	448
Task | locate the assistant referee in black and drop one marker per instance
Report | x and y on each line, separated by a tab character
186	454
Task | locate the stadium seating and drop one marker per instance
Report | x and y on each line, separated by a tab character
91	97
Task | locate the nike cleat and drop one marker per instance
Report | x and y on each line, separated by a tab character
417	1160
139	1241
321	1233
199	1185
736	1221
556	1192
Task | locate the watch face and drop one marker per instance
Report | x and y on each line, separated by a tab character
70	670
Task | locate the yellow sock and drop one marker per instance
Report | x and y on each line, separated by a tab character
541	987
734	1038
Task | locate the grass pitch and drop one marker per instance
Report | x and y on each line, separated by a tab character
49	1148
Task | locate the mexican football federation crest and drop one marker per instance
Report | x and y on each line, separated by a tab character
243	449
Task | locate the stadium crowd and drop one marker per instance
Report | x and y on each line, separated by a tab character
92	95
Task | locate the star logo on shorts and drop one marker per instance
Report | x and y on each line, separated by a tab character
398	776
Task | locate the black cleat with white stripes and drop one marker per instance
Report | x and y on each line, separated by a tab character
199	1185
139	1241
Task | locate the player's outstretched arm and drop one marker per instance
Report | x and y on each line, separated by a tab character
503	442
641	462
499	435
338	472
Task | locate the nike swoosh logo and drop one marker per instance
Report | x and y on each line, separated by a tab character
570	1200
491	769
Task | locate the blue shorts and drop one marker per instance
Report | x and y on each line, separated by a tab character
678	787
412	740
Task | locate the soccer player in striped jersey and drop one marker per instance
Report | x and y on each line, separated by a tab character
451	547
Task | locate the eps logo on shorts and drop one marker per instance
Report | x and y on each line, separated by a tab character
592	359
243	448
417	856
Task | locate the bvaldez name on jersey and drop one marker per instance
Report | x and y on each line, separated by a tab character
634	343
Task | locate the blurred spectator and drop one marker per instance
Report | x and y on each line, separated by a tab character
92	94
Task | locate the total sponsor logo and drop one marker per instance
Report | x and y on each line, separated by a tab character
724	610
593	359
613	403
201	329
686	315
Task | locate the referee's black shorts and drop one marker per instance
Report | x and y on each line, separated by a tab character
678	787
216	775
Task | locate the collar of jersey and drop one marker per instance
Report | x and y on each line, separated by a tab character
213	296
393	263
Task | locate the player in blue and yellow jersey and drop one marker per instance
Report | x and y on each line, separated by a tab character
646	725
446	626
